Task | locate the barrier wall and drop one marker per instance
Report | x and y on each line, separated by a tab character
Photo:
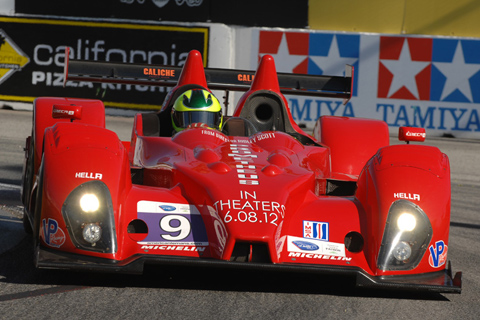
421	81
32	55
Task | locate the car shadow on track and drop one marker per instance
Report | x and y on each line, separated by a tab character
16	267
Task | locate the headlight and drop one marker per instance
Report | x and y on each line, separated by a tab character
88	213
92	233
89	202
407	234
406	222
402	251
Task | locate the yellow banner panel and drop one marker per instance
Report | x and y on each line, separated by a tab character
443	17
385	16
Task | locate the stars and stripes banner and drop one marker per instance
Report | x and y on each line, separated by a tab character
420	81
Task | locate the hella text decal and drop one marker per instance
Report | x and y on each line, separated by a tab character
407	196
89	175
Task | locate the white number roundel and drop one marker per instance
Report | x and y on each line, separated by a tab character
183	229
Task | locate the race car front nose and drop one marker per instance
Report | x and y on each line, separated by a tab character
88	213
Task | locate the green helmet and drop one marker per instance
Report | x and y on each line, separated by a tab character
196	106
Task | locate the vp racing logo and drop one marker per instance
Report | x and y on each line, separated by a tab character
12	58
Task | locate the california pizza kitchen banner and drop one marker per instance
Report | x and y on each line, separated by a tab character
32	55
420	81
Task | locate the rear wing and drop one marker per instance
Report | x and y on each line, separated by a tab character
217	79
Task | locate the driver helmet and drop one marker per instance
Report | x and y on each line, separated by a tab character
196	106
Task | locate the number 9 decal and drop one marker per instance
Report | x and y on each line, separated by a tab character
168	224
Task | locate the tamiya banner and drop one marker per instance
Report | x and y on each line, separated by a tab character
32	55
420	81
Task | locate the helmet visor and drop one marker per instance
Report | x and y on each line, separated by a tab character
185	118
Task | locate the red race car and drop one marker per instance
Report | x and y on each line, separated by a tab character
250	190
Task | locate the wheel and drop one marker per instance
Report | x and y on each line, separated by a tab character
37	210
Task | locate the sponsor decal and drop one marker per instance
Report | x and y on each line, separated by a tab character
438	254
220	230
316	230
51	233
247	78
215	134
172	248
12	58
294	255
158	72
324	248
167	207
305	245
263	136
248	209
416	134
63	111
175	224
407	196
247	170
89	175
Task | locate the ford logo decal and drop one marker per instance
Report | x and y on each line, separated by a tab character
305	245
167	208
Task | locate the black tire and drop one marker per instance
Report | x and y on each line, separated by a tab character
37	210
27	226
28	174
27	187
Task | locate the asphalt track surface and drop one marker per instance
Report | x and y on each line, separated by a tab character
198	293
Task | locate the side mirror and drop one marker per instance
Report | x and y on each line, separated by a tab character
411	134
71	112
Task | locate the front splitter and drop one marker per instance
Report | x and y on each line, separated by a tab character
441	281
